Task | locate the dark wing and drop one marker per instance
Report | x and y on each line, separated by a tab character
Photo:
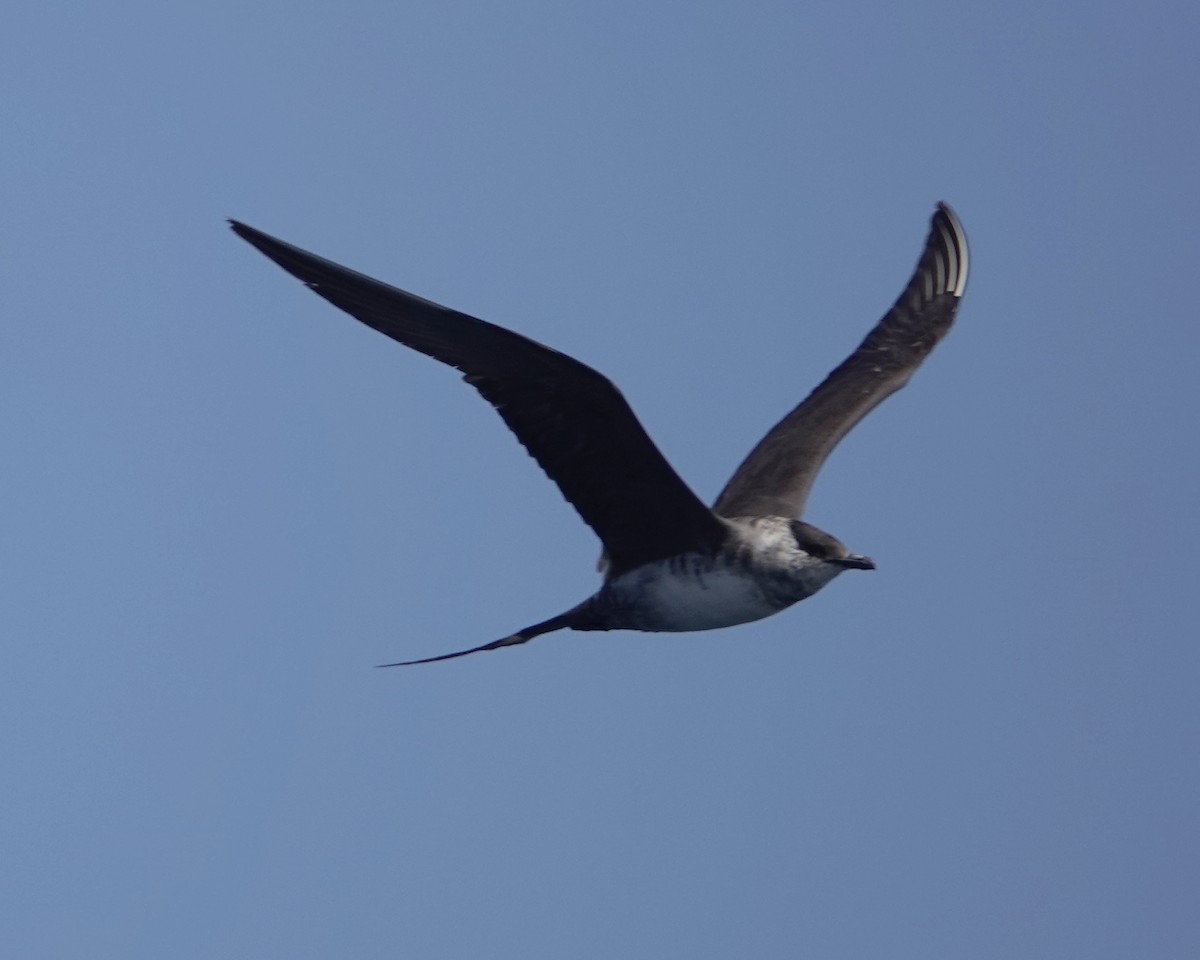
774	480
570	418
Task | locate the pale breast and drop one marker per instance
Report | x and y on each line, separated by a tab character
660	598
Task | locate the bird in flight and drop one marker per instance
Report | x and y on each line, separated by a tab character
670	563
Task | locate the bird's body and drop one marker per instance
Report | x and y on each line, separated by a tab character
759	570
670	563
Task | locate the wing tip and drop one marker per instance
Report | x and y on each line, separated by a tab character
263	242
946	226
241	229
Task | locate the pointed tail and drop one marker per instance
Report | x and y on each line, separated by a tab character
521	636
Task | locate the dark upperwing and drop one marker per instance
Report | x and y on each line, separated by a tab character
570	418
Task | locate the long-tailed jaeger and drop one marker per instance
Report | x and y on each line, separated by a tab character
670	563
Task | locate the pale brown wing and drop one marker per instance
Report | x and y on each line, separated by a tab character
775	479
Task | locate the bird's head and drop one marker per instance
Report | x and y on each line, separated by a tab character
821	545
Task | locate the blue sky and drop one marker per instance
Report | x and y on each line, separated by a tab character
225	501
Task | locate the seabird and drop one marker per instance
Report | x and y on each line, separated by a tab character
670	563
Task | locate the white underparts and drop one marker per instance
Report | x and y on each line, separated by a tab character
696	592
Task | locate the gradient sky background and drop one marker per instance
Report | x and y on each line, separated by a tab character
225	501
